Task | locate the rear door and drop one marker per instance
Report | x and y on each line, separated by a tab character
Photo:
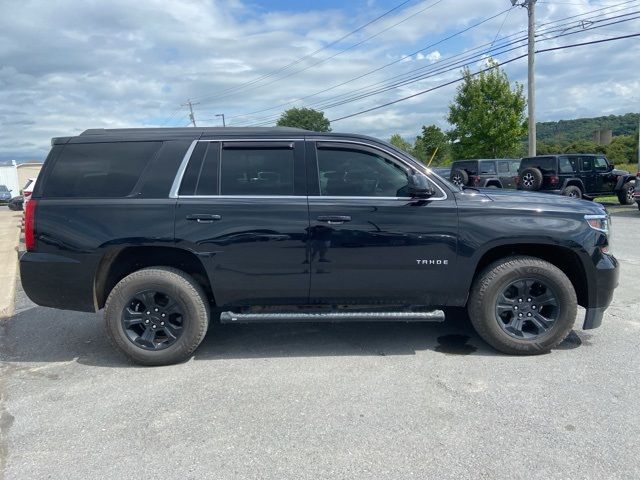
507	178
369	242
242	208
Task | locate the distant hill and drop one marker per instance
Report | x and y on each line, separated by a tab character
567	131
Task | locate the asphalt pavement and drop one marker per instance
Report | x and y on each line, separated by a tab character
344	401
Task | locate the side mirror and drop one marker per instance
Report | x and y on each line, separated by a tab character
419	186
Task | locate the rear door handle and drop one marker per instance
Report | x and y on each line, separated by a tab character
334	219
203	217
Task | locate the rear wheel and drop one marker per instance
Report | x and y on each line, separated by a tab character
522	305
157	316
625	194
572	191
531	179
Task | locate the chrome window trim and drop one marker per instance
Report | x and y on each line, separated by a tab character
387	152
175	187
257	197
173	193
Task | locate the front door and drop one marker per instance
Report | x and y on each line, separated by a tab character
242	209
369	242
588	174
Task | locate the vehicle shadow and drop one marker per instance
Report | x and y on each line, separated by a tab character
45	335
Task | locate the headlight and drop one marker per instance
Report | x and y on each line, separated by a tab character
601	223
598	222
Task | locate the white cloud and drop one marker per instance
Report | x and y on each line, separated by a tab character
435	56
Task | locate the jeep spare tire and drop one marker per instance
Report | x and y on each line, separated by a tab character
459	177
531	179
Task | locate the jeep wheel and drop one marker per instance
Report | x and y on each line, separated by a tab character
625	194
531	179
522	305
459	177
157	316
572	191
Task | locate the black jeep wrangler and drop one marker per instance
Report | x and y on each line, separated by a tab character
166	229
576	175
487	173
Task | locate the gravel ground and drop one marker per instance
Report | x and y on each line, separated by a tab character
372	400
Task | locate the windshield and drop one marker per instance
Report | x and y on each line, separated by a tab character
3	188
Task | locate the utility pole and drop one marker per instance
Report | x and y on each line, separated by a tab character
190	104
222	115
531	84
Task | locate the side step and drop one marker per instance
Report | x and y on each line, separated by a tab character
432	316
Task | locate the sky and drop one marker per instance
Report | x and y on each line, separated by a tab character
66	66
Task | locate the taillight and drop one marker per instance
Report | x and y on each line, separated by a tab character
517	179
475	180
553	180
30	225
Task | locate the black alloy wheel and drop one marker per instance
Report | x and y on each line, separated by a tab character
527	308
153	320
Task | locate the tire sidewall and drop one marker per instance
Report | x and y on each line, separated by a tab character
483	316
173	285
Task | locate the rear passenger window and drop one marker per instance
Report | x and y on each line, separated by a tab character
503	167
99	170
256	171
488	168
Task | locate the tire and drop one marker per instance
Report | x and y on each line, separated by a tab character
459	177
531	179
493	185
483	305
184	294
625	194
572	191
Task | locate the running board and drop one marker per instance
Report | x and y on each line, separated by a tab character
432	316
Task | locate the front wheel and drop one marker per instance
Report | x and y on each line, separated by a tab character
522	305
157	316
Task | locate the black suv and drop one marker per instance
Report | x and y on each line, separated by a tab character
576	175
167	228
488	173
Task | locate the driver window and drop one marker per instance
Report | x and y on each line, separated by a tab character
601	164
353	173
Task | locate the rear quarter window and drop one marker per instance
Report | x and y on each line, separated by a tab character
98	170
470	166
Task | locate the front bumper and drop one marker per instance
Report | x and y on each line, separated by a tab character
606	277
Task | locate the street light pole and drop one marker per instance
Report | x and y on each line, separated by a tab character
224	124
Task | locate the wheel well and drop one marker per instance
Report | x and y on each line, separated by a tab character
494	182
563	258
115	266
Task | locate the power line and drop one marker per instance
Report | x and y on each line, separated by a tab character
390	63
447	67
301	59
482	71
540	30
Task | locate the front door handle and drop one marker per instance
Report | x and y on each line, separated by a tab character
203	217
334	219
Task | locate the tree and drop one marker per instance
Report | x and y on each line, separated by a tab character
397	141
488	117
622	149
432	138
306	118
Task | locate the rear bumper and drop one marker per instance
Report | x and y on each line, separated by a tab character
56	281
